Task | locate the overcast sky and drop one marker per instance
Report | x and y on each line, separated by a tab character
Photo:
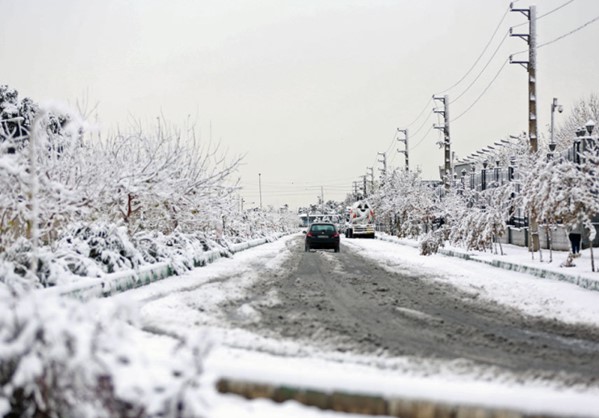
309	91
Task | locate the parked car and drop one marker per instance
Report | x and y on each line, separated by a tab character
322	235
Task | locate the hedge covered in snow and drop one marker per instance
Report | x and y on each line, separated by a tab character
75	206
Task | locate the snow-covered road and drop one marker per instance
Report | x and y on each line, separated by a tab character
434	321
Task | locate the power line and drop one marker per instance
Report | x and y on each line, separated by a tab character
422	139
545	14
482	94
422	126
481	54
392	142
481	71
569	33
420	114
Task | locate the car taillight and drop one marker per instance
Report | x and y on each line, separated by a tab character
309	234
336	234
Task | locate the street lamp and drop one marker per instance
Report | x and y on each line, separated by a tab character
560	109
590	126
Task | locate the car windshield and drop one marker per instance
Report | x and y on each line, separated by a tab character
322	228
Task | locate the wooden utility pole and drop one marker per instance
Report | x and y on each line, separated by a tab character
531	67
405	151
446	136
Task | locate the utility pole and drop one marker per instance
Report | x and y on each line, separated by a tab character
322	199
364	186
384	162
531	67
446	137
371	174
405	151
355	190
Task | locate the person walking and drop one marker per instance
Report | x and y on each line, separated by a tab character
575	237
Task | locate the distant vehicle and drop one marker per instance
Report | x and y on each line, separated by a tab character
306	219
361	220
322	235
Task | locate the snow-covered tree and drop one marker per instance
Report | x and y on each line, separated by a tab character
584	110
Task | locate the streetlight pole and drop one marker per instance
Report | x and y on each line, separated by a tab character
554	105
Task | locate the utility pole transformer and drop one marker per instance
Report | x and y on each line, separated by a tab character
531	67
405	151
446	137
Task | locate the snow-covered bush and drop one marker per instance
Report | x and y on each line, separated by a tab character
164	181
59	357
404	199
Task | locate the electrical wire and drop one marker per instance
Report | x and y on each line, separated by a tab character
391	144
559	38
483	92
569	33
423	124
546	14
481	71
421	113
480	55
422	139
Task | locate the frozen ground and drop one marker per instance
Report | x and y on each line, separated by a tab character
190	305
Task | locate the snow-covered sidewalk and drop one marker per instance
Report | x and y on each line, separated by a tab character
520	259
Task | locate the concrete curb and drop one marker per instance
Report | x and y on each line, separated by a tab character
584	282
113	283
366	404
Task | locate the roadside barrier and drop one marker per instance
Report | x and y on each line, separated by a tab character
366	404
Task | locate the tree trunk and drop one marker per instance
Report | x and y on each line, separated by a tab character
591	249
550	242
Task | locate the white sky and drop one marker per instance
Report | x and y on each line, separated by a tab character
310	91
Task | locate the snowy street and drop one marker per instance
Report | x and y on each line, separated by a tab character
381	310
